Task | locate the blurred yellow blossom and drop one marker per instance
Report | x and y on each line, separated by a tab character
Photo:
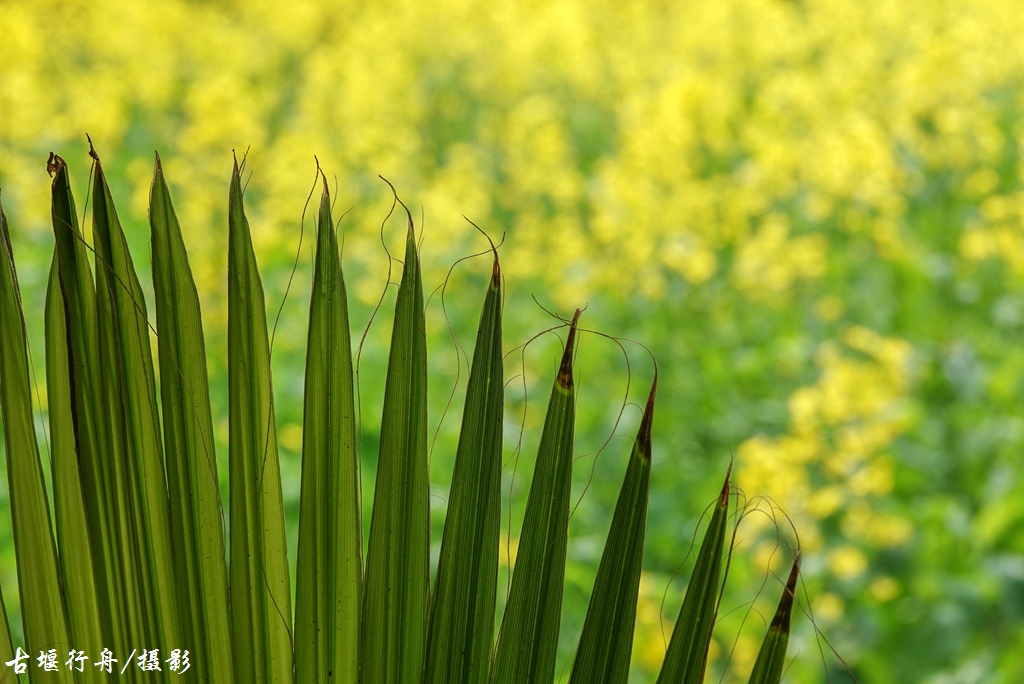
829	308
649	641
981	182
826	501
767	557
875	528
290	437
744	653
884	589
828	607
507	551
623	143
847	562
768	264
833	462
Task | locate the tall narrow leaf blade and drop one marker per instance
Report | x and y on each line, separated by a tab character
145	482
397	563
120	485
772	656
607	638
96	450
42	605
196	513
76	564
528	640
329	564
686	658
260	587
461	625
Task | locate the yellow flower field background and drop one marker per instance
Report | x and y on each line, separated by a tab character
812	212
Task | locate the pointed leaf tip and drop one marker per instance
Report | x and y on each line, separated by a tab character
323	177
565	371
643	438
724	497
496	273
782	615
528	640
771	658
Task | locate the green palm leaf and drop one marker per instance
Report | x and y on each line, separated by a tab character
397	561
772	656
461	626
686	658
102	497
528	640
260	588
42	603
133	405
76	562
329	567
196	513
607	638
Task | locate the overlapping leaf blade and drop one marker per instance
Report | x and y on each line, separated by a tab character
133	404
42	604
397	563
461	625
196	513
260	591
607	638
76	562
528	640
772	656
120	483
686	658
102	496
329	565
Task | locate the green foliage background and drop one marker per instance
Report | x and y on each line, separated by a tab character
810	211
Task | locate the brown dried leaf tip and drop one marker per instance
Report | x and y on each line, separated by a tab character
54	164
782	615
565	371
723	499
92	150
643	438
